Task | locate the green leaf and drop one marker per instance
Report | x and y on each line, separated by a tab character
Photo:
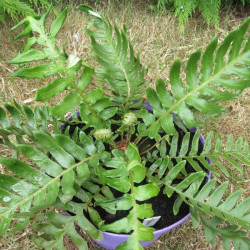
49	166
166	99
83	170
95	217
15	115
54	88
39	71
192	73
57	23
121	184
4	121
25	171
84	7
74	63
122	203
67	183
101	104
93	96
69	102
144	211
154	101
29	56
87	143
30	42
163	167
132	153
175	80
167	124
195	143
108	113
145	192
85	78
119	226
89	228
61	156
138	171
130	243
76	238
173	173
184	145
70	146
147	117
17	186
207	60
30	116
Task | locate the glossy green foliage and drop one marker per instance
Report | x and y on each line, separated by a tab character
64	67
54	175
127	169
18	122
229	234
141	152
209	201
200	97
236	154
120	67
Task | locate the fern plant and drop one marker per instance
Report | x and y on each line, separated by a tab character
115	154
17	8
184	10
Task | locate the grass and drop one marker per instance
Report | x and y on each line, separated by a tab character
157	38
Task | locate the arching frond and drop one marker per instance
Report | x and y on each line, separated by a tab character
226	68
229	234
45	182
120	68
224	156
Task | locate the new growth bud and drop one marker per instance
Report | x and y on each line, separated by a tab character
103	134
129	119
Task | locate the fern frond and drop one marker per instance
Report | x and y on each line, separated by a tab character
201	92
124	170
31	190
121	69
94	105
236	153
15	8
224	156
228	233
210	200
21	121
210	11
184	10
53	226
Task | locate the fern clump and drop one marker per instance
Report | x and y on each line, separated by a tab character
17	8
117	152
184	10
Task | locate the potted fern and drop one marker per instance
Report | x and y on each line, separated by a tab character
118	153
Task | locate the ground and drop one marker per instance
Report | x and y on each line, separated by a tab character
159	42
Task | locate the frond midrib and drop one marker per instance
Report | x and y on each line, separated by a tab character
198	202
195	90
46	186
123	67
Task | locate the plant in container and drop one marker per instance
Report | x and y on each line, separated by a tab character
123	168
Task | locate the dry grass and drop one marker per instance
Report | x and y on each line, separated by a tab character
157	39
